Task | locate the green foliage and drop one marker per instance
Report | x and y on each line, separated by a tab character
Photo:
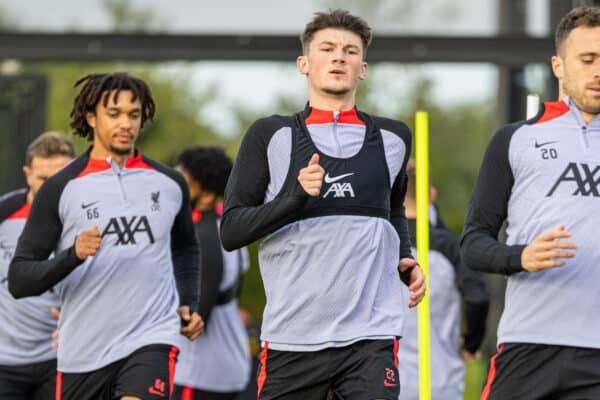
458	134
176	125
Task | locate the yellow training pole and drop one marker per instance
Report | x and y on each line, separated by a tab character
422	175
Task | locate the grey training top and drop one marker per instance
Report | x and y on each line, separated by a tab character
537	175
330	280
26	325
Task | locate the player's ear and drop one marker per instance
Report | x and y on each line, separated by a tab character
558	67
363	71
302	64
27	172
90	117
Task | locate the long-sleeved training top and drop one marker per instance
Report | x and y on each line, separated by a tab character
328	263
450	284
126	296
26	325
537	175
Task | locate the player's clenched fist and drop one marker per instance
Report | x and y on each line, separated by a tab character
192	323
87	243
311	177
546	250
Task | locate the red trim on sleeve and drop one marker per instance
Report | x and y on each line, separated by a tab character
262	376
21	213
187	393
396	354
172	360
326	117
553	110
491	374
58	385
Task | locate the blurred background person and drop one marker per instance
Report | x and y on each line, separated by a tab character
27	357
217	365
451	284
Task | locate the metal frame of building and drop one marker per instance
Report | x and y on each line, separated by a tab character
86	47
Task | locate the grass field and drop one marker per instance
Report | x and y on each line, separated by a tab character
474	377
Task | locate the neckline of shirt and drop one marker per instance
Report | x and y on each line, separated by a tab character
318	116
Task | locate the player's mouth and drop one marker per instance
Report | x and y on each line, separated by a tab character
337	72
595	90
123	137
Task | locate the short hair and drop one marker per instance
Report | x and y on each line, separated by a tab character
95	86
340	19
48	145
208	165
580	16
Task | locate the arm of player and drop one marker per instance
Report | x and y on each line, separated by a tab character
487	211
475	296
212	264
31	273
186	264
245	217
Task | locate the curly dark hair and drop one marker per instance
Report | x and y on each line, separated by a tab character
95	86
579	16
208	165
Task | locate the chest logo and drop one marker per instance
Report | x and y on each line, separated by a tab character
155	196
339	189
126	229
331	179
584	178
538	145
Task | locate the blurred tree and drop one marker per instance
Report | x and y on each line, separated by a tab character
125	17
7	21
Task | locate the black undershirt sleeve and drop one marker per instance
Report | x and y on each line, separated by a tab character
31	273
245	217
398	215
397	212
487	211
471	286
185	250
212	264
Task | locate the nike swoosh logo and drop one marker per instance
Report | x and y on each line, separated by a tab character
389	384
538	145
331	179
84	206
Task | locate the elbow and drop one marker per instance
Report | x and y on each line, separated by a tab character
228	237
18	286
467	254
16	289
228	243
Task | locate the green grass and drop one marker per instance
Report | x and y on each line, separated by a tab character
474	377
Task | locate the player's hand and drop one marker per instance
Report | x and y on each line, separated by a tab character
192	325
311	177
87	243
546	250
417	280
56	315
244	316
466	354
